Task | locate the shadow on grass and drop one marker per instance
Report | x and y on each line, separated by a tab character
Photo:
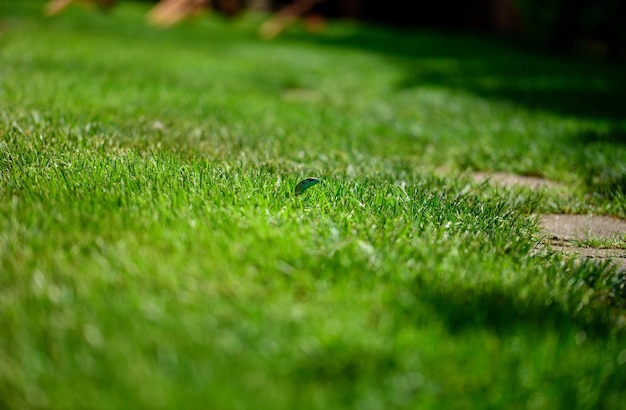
343	363
614	136
597	156
495	69
466	309
606	181
544	86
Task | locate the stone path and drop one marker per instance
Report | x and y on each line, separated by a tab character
582	227
507	179
568	233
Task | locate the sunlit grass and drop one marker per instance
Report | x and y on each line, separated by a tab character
153	253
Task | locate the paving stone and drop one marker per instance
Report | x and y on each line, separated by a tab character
511	180
617	256
563	231
582	227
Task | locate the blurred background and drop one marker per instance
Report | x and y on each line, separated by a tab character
596	27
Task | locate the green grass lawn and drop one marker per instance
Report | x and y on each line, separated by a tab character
153	255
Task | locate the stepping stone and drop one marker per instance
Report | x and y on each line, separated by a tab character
582	227
563	229
511	180
617	256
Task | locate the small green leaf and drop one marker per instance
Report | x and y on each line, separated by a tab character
306	184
